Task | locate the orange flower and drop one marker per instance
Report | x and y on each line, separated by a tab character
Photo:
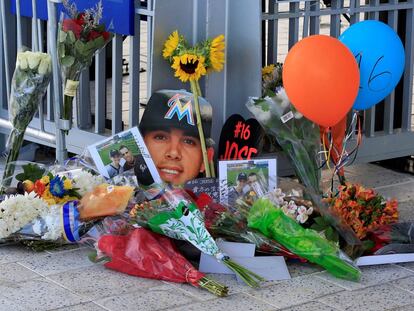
39	187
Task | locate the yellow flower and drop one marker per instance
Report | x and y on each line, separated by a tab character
189	67
267	70
67	184
217	53
45	180
171	44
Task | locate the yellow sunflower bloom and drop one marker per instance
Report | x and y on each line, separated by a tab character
189	67
267	70
67	184
45	180
171	45
217	53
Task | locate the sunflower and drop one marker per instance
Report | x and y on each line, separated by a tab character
217	53
189	67
171	45
268	70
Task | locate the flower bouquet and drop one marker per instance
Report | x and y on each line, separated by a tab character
175	215
221	222
80	36
30	80
142	253
190	63
298	137
306	243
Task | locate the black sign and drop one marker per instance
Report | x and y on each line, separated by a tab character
209	186
239	138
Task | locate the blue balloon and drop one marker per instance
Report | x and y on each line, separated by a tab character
380	55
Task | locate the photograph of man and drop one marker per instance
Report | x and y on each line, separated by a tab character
129	158
171	136
240	189
114	168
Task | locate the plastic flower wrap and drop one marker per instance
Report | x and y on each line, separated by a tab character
298	137
175	215
140	252
80	36
30	80
223	222
306	243
190	63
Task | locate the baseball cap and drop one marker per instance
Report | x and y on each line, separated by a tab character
114	153
242	176
175	109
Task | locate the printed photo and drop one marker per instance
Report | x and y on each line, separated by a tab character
241	178
123	152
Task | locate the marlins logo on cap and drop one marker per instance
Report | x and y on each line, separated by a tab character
182	111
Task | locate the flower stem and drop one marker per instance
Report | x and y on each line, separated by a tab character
67	109
213	286
194	90
249	277
15	142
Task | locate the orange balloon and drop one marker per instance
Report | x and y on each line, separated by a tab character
321	79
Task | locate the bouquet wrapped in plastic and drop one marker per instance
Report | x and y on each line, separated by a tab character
30	80
49	210
222	222
176	215
298	137
306	243
140	252
80	36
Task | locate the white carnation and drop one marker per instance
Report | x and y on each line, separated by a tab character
19	210
86	182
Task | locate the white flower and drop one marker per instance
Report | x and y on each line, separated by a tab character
298	115
52	223
19	210
22	61
302	210
284	100
302	218
261	116
33	59
45	66
86	182
309	211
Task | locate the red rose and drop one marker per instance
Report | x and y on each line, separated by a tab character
39	187
105	35
93	35
72	25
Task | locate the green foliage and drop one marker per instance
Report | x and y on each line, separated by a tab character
31	172
322	225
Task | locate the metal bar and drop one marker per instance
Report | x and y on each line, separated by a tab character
134	60
116	84
19	25
293	24
306	19
49	94
5	50
84	101
61	151
40	35
273	29
355	9
374	14
100	91
390	100
35	43
314	23
150	38
408	72
50	138
369	122
364	9
335	25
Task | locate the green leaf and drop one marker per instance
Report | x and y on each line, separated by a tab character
67	61
61	50
321	221
81	48
30	172
331	234
70	37
317	227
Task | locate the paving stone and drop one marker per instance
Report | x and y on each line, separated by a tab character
233	302
59	262
299	269
295	291
13	273
406	211
402	192
7	305
406	284
97	282
89	306
371	275
154	298
13	253
311	306
381	297
40	294
406	308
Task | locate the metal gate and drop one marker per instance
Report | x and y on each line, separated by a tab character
257	33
